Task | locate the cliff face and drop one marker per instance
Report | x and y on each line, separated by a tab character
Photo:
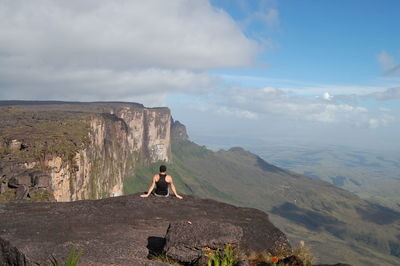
148	132
113	139
96	170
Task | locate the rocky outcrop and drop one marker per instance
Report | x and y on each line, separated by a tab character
178	131
86	149
125	230
189	242
30	183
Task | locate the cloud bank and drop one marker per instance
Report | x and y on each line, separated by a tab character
389	94
267	102
108	50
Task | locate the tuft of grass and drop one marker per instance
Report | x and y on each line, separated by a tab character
41	195
228	256
262	258
303	252
72	259
162	257
259	257
8	196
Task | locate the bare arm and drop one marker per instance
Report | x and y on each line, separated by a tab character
153	184
173	187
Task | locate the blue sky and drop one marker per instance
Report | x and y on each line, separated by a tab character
265	70
333	42
314	47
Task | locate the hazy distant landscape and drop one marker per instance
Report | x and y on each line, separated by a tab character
371	174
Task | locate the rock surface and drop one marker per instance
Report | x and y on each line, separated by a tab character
120	230
186	241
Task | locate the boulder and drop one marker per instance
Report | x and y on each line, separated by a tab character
21	179
24	182
186	241
21	192
40	179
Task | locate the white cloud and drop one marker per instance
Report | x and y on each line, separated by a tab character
257	18
306	101
388	63
389	94
270	17
327	96
275	102
222	110
114	49
260	11
236	112
304	87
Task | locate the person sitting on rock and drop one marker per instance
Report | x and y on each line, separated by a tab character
160	182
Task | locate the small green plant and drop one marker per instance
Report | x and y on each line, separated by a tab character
220	257
72	259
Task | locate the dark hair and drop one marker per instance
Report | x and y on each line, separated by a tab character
163	168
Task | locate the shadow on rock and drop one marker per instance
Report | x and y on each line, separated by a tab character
155	245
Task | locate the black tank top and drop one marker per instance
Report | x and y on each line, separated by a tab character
162	185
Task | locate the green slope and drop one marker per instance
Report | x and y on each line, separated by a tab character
339	226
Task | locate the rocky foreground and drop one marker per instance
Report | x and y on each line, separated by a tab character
125	230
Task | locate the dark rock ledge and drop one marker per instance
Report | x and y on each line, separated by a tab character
122	230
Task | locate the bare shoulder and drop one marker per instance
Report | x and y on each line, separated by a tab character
168	178
156	178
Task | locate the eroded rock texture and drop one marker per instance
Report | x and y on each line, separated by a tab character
86	149
121	230
188	242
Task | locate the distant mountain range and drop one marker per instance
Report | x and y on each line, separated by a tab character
337	224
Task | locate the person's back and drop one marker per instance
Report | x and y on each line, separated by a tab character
162	186
161	182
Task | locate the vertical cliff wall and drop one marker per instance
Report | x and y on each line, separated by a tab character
117	137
